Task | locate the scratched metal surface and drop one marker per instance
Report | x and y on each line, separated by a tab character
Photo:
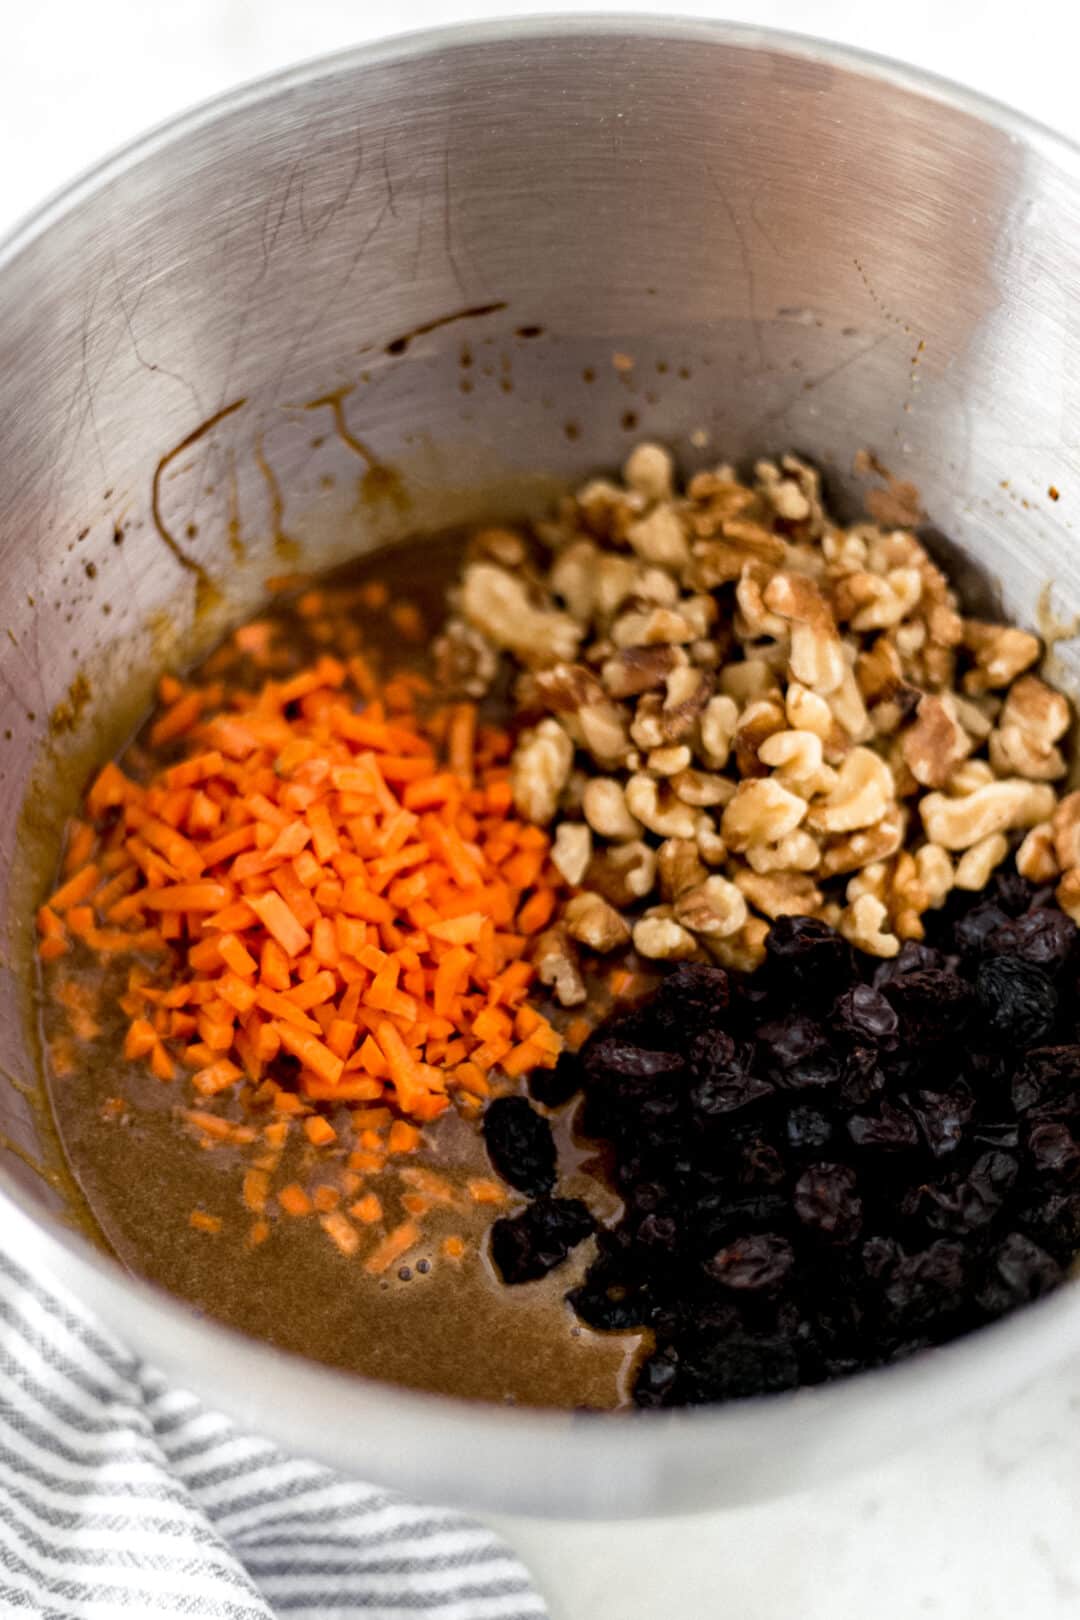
793	248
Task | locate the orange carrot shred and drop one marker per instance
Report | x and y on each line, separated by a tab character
393	1246
291	879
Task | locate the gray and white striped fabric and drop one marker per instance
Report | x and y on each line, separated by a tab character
122	1496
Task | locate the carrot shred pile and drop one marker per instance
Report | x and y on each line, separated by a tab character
310	880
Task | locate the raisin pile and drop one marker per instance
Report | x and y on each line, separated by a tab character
832	1163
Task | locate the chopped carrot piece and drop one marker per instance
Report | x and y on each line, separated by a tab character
294	1200
341	1231
482	1191
453	1247
77	888
216	1077
311	1052
403	1138
204	1222
319	1130
280	923
141	1038
256	1190
187	897
537	911
392	1247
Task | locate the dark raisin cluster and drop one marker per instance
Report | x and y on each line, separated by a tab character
834	1162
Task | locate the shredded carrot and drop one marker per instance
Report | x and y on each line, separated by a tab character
256	1190
453	1247
327	908
341	1231
403	1138
393	1246
294	1200
367	1209
204	1222
319	1130
482	1191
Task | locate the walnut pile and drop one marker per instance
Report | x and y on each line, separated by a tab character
732	709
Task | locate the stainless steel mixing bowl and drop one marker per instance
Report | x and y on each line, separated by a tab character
407	284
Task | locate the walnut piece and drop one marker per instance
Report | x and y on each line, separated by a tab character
662	939
715	908
935	743
974	868
571	851
1036	859
593	922
957	823
860	796
865	924
679	867
634	670
1001	654
540	770
557	966
606	810
762	812
497	604
623	874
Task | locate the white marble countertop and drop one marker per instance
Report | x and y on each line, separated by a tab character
982	1525
985	1525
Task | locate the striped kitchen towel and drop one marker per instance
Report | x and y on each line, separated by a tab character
122	1496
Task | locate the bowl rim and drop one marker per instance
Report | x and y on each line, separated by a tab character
232	1366
417	42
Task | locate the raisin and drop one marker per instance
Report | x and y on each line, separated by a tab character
551	1088
788	1040
610	1303
1012	892
1018	1000
880	1256
737	1367
726	1094
912	957
973	931
759	1263
1046	938
941	1117
862	1080
965	1203
1053	1220
808	1129
934	1005
620	1063
809	953
999	1133
1054	1151
888	1128
1047	1083
527	1246
1021	1271
817	1071
520	1145
694	992
657	1381
720	1216
711	1051
826	1200
923	1286
865	1016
